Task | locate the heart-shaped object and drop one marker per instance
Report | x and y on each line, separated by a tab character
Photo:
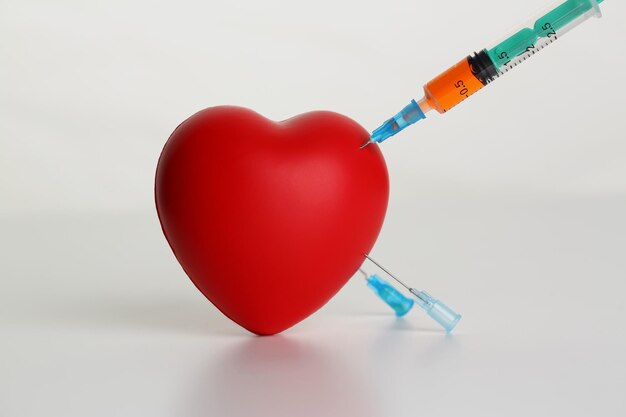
270	219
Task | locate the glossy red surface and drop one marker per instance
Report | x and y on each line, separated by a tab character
270	219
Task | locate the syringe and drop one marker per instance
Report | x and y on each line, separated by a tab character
437	310
476	71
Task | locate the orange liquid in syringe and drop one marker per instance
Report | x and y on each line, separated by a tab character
452	86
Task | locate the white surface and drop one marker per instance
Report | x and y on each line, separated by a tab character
89	92
510	208
98	319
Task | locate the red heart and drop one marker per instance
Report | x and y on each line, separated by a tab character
270	219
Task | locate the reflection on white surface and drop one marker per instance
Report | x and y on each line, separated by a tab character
280	376
104	323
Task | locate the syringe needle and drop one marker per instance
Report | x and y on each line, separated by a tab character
389	273
365	144
437	310
364	274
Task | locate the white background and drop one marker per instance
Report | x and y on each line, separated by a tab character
510	208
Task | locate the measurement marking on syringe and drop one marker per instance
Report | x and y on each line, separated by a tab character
532	50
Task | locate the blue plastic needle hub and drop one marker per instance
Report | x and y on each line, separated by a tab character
394	299
409	115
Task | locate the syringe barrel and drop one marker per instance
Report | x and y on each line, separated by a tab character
540	31
479	69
